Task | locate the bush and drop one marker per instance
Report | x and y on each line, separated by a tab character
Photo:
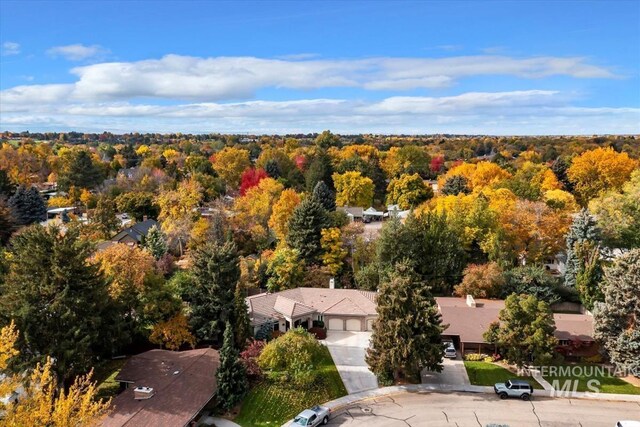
250	356
476	357
319	333
481	281
292	357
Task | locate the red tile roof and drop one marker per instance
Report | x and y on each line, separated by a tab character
183	383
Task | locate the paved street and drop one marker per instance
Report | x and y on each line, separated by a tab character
348	350
466	409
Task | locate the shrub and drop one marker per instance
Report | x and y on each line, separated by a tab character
250	356
292	357
488	359
475	357
319	333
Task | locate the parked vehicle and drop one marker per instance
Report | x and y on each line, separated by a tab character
450	350
514	388
628	423
312	417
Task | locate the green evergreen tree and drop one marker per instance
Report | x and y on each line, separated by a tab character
559	168
305	226
526	332
231	376
79	170
59	300
455	185
617	320
320	169
27	206
273	169
406	334
531	280
325	196
582	229
156	242
7	226
590	274
7	187
104	217
215	271
241	322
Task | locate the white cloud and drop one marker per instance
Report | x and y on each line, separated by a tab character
77	52
10	48
517	112
178	77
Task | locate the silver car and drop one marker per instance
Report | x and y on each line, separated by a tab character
449	350
311	417
514	388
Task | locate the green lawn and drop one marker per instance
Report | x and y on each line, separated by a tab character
582	373
105	376
487	374
271	404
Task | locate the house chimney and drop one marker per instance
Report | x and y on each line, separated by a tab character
332	283
470	301
143	393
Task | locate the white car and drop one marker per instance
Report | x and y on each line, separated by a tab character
450	350
628	423
311	417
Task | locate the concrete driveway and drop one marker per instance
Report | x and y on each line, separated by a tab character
453	373
348	350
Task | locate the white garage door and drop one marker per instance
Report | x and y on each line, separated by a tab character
336	325
370	325
354	325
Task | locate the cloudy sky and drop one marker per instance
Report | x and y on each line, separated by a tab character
534	67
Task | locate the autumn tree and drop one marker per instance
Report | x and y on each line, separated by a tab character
408	191
305	229
177	211
481	281
138	205
526	331
617	320
255	208
250	178
229	163
282	211
27	206
353	189
215	274
406	334
285	270
618	215
104	217
231	377
599	170
58	300
334	251
325	196
172	333
408	159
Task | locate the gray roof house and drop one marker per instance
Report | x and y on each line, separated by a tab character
135	234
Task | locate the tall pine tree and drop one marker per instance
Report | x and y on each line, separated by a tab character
27	206
241	322
58	300
305	226
320	169
215	271
406	335
582	229
231	375
156	242
325	196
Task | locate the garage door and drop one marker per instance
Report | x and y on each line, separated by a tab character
370	325
354	325
336	325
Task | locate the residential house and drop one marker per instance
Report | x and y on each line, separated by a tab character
353	213
135	234
339	309
163	388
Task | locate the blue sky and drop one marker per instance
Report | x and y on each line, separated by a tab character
521	67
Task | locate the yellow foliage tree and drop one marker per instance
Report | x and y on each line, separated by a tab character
230	162
353	189
599	170
334	251
479	176
282	211
127	267
560	199
254	209
173	333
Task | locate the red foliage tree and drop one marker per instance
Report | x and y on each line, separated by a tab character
436	164
250	356
250	178
301	162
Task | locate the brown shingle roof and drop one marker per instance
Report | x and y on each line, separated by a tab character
300	301
183	383
470	323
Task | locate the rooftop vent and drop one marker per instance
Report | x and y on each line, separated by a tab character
143	393
470	301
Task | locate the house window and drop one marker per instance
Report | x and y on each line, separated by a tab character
276	326
321	317
564	342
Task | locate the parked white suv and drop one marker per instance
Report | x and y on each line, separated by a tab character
449	350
